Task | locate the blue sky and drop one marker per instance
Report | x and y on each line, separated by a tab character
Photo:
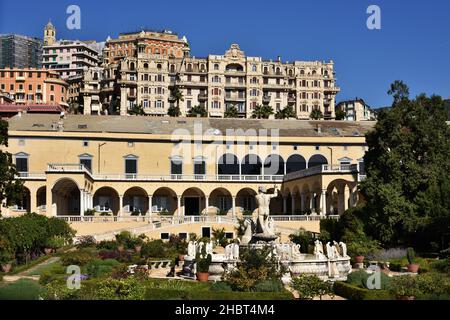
413	44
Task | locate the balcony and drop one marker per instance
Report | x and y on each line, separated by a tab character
326	168
202	97
20	78
234	97
68	168
184	177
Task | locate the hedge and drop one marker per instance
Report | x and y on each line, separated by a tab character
165	294
352	292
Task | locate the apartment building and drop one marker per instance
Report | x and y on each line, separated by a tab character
147	76
17	51
68	57
356	110
34	86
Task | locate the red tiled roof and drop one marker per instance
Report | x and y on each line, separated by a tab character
30	108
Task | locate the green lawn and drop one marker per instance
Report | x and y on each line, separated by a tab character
22	289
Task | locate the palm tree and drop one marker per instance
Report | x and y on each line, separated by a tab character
262	112
174	111
177	96
231	112
136	110
197	111
316	114
285	113
340	114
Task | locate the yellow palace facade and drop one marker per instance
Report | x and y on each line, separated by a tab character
193	169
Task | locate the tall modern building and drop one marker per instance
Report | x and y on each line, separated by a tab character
18	51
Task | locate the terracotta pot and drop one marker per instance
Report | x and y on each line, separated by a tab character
48	251
6	267
138	249
202	276
359	259
413	268
406	298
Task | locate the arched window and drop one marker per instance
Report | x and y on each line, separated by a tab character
274	165
302	72
295	163
132	66
278	70
199	166
146	65
251	165
216	66
159	66
265	70
317	160
228	164
189	67
172	68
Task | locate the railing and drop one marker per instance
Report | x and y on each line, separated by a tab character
326	168
185	177
30	176
159	221
68	167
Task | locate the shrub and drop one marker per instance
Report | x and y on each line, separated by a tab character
89	212
86	242
107	244
153	249
389	254
310	286
55	242
411	255
165	294
98	268
352	292
220	286
203	262
360	279
405	286
303	238
220	237
79	258
178	244
121	289
270	285
108	254
441	266
125	238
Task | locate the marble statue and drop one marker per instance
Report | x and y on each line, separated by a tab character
337	250
192	248
248	234
235	251
344	249
295	251
318	249
229	251
200	247
265	229
209	247
330	251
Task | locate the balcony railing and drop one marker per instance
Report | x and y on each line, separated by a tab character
68	167
185	177
326	168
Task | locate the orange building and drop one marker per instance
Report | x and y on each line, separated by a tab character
164	43
34	86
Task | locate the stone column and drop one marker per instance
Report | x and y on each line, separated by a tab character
179	206
82	202
206	204
293	204
346	197
233	203
303	201
312	202
150	205
33	201
323	201
120	205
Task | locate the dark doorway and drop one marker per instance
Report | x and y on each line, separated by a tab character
192	206
206	232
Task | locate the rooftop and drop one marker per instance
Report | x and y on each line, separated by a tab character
166	125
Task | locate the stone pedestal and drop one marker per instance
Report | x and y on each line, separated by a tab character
358	266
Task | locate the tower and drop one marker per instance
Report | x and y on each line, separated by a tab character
49	34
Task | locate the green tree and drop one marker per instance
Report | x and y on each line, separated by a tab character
11	189
339	114
197	110
176	96
407	188
316	114
285	113
262	112
174	111
231	112
136	110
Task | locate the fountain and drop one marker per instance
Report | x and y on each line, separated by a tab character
259	233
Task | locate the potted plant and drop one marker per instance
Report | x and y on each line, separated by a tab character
405	287
122	240
53	243
413	267
6	260
203	261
